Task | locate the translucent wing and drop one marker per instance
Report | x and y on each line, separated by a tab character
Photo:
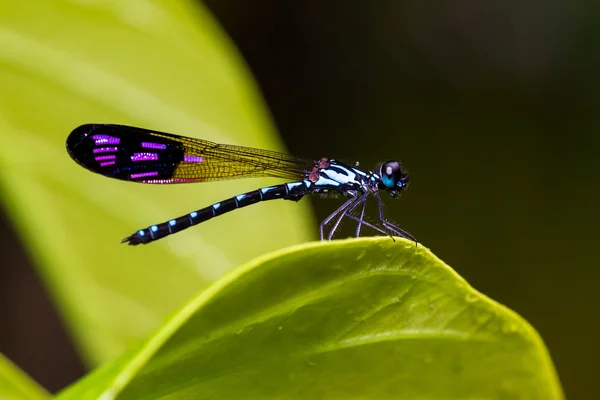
140	155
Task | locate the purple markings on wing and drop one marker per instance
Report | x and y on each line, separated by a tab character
104	164
193	159
144	175
155	146
103	158
105	139
144	157
105	149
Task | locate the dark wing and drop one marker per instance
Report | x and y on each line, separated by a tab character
140	155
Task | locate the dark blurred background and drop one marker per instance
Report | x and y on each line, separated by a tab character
493	108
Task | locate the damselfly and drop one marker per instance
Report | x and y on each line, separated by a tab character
141	155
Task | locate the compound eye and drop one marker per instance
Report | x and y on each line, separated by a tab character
390	173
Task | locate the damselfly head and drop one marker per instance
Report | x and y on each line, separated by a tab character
394	178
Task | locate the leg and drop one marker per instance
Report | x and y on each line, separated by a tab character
350	207
336	212
360	219
393	228
368	225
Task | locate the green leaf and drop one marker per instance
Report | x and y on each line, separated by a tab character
163	65
355	319
16	385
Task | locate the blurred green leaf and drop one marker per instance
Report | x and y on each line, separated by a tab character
355	319
163	65
16	385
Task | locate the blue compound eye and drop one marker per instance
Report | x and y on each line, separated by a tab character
388	181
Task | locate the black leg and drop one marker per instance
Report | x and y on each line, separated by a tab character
336	212
391	227
360	221
357	201
368	225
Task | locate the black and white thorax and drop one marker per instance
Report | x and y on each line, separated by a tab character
334	177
